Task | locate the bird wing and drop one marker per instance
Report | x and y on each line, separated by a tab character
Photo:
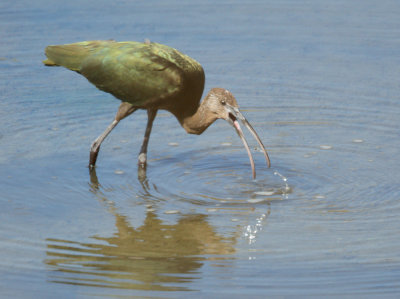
71	56
138	73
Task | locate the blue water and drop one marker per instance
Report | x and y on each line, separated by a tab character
317	80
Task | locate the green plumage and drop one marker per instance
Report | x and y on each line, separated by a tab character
150	76
146	75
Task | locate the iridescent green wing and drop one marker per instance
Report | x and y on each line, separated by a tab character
71	56
134	72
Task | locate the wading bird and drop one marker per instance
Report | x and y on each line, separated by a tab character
151	76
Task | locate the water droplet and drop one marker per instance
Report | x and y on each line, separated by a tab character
284	179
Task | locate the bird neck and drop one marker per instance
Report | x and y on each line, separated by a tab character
199	121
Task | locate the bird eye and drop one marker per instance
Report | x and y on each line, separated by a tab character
223	102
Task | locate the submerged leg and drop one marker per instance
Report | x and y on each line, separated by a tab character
124	110
142	159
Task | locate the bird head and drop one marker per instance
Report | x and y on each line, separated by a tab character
223	105
219	101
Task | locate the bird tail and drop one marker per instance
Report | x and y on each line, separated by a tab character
70	55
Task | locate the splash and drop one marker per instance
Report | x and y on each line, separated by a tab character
251	231
285	180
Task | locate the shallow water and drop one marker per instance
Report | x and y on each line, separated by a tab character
319	83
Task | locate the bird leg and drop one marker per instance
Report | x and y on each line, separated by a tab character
142	159
124	110
94	150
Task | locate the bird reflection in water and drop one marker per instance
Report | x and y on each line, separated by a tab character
154	256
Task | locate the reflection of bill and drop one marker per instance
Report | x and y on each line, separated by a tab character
153	256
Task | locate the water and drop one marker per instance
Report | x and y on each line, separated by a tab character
319	83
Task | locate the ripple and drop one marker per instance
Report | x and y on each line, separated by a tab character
324	101
203	177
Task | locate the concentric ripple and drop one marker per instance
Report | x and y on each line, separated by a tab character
209	176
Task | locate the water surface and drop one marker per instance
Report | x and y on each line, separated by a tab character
319	83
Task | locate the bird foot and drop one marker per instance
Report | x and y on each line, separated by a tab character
142	160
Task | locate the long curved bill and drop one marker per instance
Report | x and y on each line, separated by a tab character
235	114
